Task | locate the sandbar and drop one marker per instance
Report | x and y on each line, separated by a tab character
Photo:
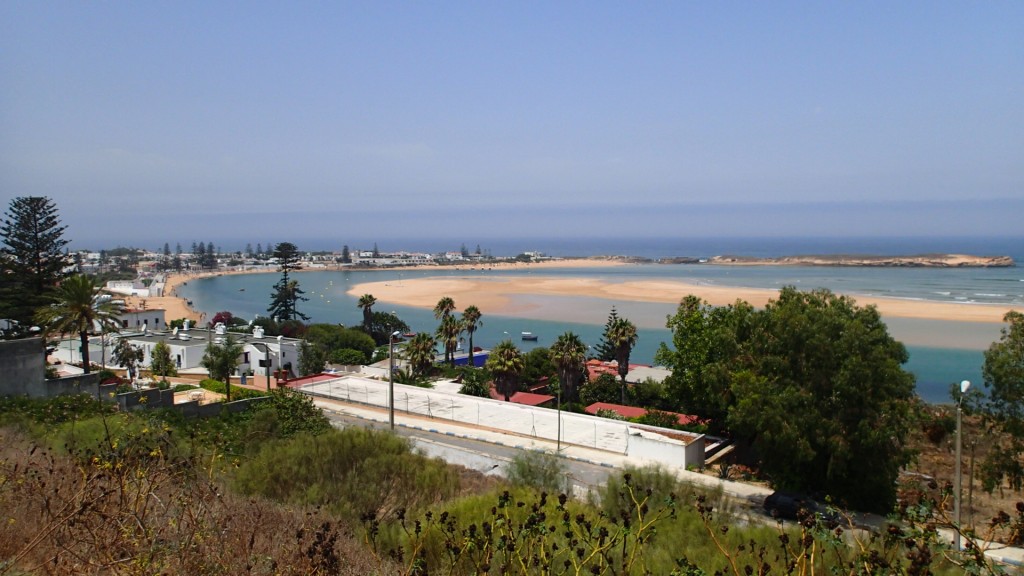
176	307
511	295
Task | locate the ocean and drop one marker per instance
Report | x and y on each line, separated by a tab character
941	352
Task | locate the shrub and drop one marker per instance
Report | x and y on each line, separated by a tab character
237	392
348	357
351	472
539	470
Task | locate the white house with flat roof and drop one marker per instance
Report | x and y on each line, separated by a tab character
261	355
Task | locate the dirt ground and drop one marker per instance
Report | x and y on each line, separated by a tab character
937	460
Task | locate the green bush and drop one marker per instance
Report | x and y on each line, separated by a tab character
541	471
348	357
237	392
351	472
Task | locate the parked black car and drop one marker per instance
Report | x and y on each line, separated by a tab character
794	506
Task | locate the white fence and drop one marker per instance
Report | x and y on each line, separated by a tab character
577	429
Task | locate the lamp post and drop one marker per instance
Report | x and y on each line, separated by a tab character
391	379
956	495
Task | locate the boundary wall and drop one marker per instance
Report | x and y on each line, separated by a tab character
645	443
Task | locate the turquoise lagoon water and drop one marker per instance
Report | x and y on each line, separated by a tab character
941	352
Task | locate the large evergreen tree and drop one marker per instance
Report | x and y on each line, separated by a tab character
812	383
1004	405
286	294
33	257
605	350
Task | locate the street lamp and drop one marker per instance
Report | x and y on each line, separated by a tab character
956	496
391	378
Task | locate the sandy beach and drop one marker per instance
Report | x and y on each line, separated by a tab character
177	307
518	295
510	295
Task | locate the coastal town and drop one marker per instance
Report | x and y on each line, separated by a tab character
137	345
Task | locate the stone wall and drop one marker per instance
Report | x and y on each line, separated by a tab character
22	367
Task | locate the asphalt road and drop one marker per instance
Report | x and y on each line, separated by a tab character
484	457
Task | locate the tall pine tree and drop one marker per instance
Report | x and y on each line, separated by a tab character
286	294
606	348
33	257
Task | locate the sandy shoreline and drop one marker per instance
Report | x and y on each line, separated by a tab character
511	295
507	295
177	307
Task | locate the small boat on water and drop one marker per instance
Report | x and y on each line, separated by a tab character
529	336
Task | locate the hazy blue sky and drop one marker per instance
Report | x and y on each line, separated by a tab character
173	121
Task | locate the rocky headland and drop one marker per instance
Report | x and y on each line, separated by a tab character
918	261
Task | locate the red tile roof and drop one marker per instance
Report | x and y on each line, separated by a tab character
312	379
636	412
525	398
597	367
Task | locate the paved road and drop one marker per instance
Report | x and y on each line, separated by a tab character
485	457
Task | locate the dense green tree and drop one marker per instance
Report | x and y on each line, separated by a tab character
812	383
506	366
384	324
605	350
707	343
366	302
604	388
569	355
623	336
312	358
160	363
349	357
1003	372
221	359
419	352
33	258
471	323
286	294
346	256
78	309
335	338
537	365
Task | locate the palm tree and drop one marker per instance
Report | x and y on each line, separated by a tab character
366	302
221	360
506	364
445	306
470	322
623	336
569	355
420	352
448	333
77	309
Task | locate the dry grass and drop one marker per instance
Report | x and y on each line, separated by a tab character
150	514
937	460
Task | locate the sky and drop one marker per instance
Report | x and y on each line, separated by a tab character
356	122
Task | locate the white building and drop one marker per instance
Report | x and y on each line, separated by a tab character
261	355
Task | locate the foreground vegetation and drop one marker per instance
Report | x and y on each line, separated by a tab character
277	490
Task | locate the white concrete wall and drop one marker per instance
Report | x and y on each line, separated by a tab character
578	429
